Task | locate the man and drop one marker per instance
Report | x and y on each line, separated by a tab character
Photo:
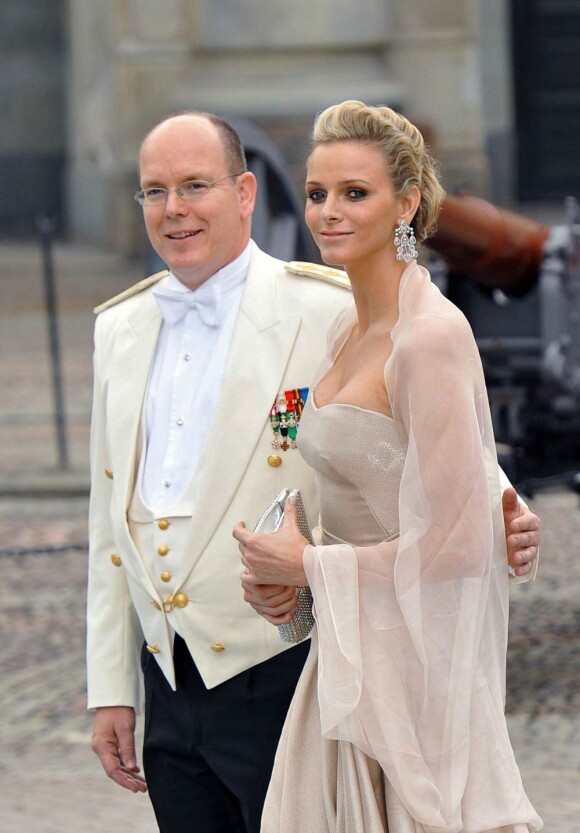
187	368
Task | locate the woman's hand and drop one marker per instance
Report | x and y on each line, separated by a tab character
275	557
277	604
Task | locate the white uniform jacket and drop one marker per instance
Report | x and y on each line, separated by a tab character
278	343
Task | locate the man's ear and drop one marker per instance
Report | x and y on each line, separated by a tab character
247	188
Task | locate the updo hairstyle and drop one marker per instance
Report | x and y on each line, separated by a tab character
407	158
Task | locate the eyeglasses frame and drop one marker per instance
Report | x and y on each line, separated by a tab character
140	194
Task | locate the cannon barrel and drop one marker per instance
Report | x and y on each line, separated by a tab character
498	248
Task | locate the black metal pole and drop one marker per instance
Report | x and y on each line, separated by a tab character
46	228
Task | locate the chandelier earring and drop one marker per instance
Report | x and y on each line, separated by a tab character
405	242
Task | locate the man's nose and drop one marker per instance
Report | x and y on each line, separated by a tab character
175	205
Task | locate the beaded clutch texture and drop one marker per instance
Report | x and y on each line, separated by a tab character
270	521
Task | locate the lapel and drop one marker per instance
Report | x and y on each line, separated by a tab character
261	347
134	350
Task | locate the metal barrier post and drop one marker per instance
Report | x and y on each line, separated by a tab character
46	228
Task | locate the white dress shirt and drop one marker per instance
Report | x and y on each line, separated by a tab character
185	382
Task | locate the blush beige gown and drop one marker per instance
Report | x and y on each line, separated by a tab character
398	722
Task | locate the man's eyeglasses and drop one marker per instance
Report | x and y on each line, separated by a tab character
192	190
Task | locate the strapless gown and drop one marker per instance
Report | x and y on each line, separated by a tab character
331	786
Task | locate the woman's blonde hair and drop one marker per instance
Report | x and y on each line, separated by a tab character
406	155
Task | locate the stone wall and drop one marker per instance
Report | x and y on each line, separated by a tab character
276	62
32	138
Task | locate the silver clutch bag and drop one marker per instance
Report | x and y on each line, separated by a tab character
270	521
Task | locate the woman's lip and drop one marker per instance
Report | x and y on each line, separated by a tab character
335	233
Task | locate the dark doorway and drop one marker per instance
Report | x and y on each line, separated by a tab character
546	49
32	109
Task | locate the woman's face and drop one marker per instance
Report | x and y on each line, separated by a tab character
351	207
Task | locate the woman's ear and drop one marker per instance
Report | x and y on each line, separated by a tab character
410	203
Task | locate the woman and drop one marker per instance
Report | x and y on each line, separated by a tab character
398	719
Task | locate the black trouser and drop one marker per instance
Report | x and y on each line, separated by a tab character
208	753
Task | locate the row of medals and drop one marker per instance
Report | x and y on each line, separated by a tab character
285	417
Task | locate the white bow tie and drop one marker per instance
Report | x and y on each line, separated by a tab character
174	305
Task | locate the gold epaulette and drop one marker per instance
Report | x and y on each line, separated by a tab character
337	277
133	290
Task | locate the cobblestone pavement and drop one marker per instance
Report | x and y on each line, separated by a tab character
49	779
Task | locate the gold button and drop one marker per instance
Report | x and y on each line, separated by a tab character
153	649
116	559
180	600
163	523
156	605
165	576
218	647
274	460
109	473
162	550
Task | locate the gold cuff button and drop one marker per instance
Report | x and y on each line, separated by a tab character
165	576
274	460
162	550
180	600
109	473
116	559
163	523
218	647
153	649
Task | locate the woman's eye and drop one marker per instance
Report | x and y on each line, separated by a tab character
356	193
316	196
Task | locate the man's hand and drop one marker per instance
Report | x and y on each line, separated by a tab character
522	530
114	743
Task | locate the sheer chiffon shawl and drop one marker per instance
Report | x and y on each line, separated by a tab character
413	631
